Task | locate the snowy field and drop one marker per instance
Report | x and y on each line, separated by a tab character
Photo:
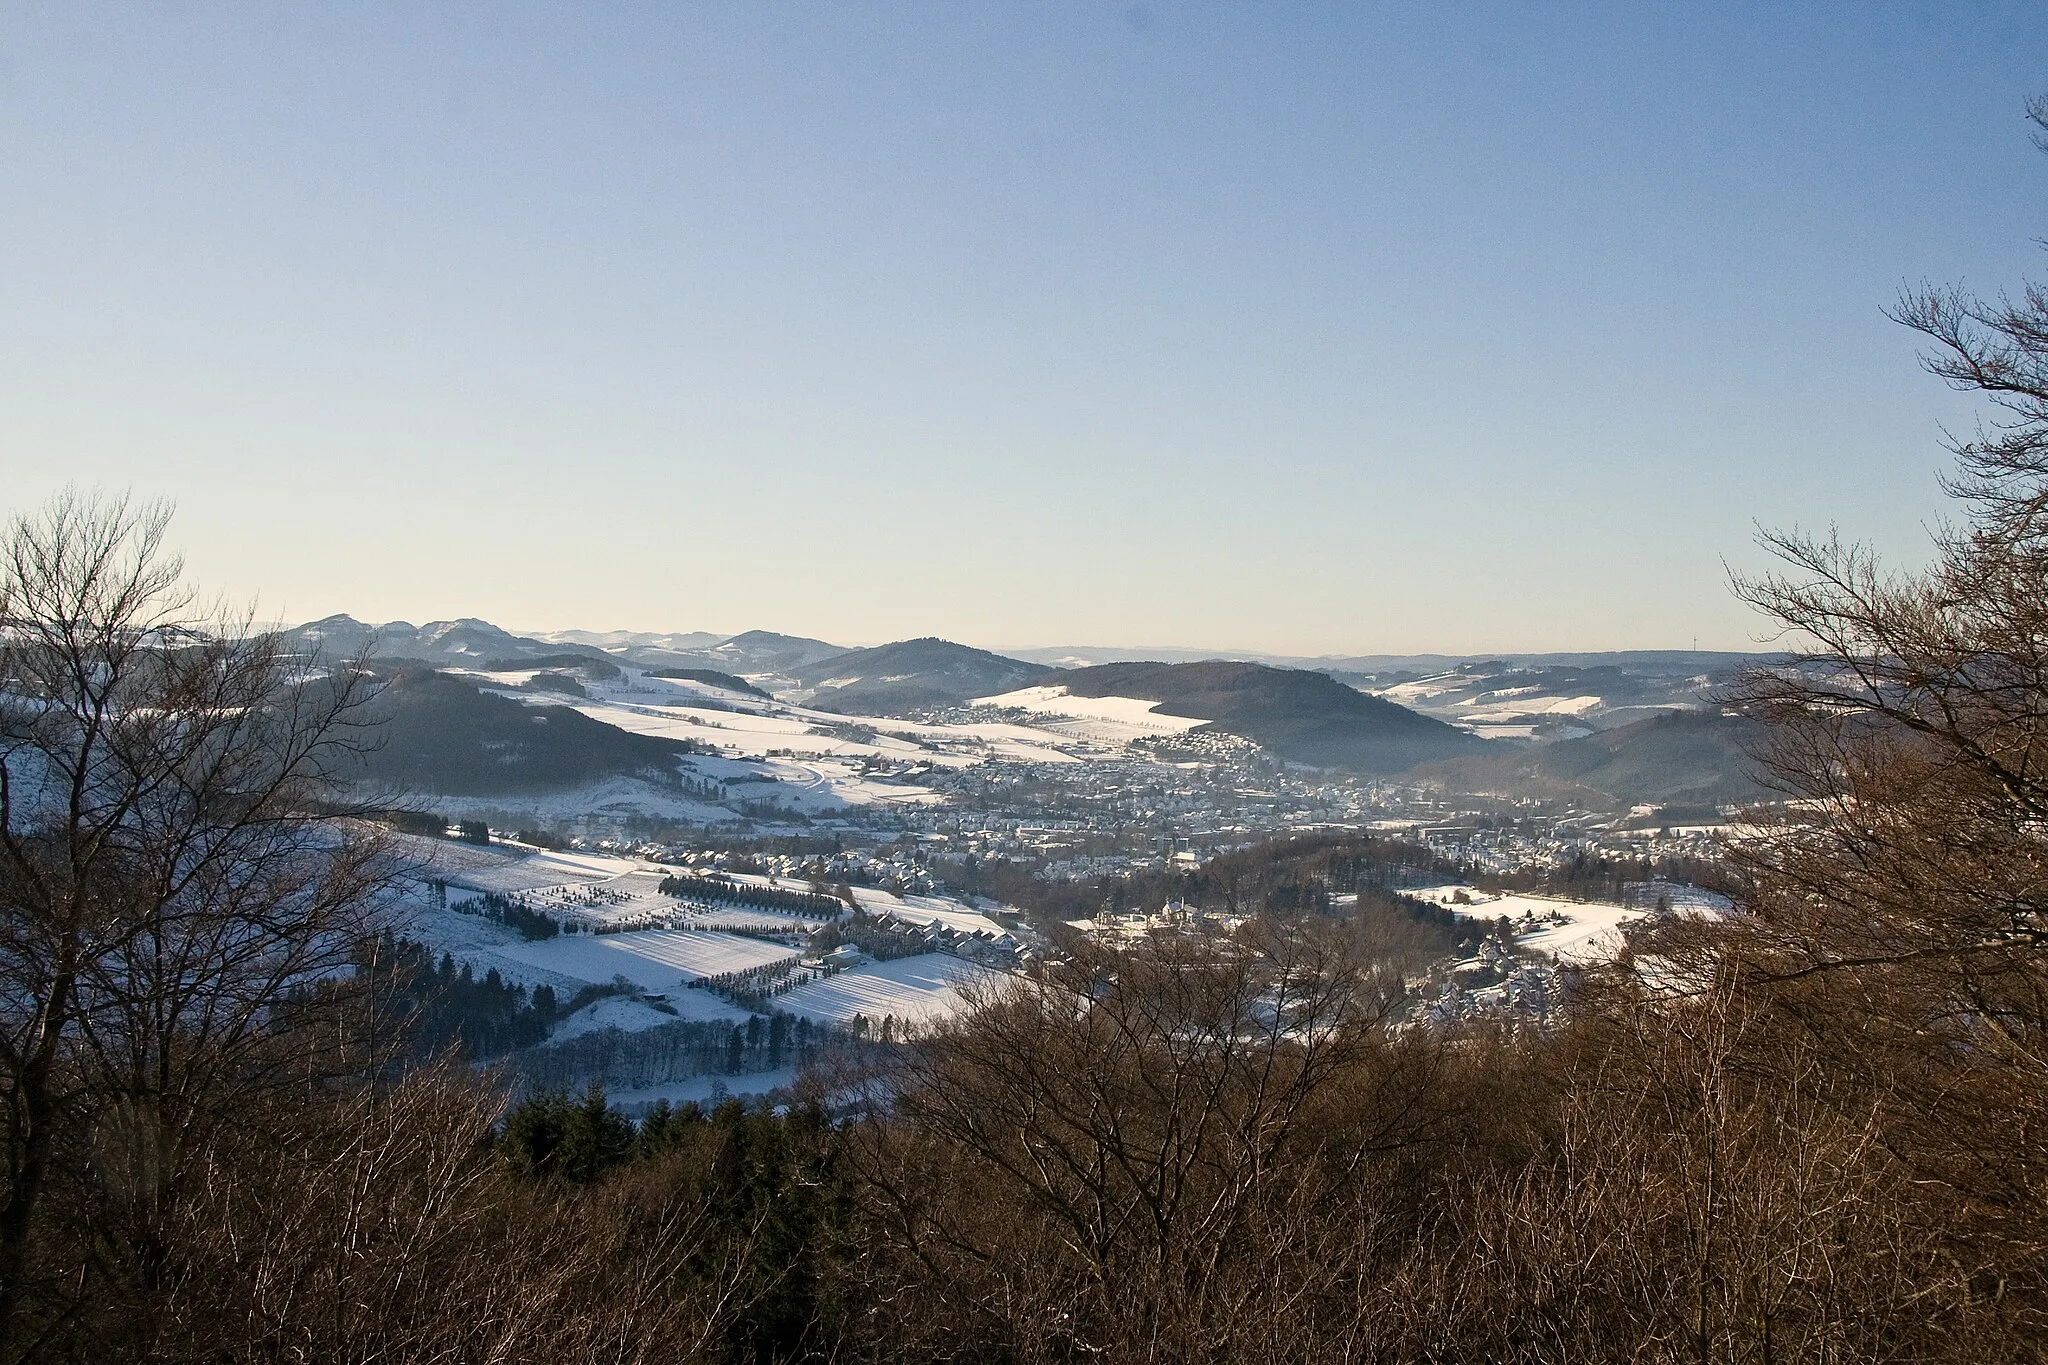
683	709
657	960
1593	933
924	911
817	757
1503	713
511	871
598	888
593	889
1105	720
1509	705
1590	931
820	761
631	1016
913	989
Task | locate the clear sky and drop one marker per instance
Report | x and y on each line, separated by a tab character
1310	328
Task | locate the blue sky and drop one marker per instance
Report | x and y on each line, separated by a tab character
1310	328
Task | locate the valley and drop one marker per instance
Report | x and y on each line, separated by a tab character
607	818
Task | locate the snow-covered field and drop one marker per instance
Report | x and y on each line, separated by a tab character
819	760
927	910
1104	720
1572	931
1502	713
507	871
653	959
623	1013
1592	933
592	888
595	888
913	989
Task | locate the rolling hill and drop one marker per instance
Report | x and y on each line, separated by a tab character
622	641
756	652
466	643
1300	715
713	677
1681	758
890	679
443	735
1558	697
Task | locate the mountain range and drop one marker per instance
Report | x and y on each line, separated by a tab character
1401	713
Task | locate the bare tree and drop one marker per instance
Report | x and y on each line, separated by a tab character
172	887
1902	901
409	1241
1151	1152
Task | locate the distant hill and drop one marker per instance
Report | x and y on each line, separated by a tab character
471	643
890	679
1556	698
443	735
1648	663
587	665
763	651
713	677
620	641
340	636
467	643
1682	758
1093	656
1300	715
1644	662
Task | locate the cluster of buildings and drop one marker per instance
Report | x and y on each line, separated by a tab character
1174	917
1517	990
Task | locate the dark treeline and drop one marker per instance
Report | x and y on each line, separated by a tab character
770	1209
712	676
677	1051
441	1004
589	664
716	890
514	913
1590	876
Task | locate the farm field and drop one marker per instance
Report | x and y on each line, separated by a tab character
656	960
1590	931
913	989
1104	720
927	910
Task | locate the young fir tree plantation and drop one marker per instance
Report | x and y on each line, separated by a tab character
242	1119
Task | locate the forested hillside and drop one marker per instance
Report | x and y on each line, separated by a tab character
442	734
894	678
1700	759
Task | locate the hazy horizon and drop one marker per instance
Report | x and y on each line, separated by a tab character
1012	647
1321	330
